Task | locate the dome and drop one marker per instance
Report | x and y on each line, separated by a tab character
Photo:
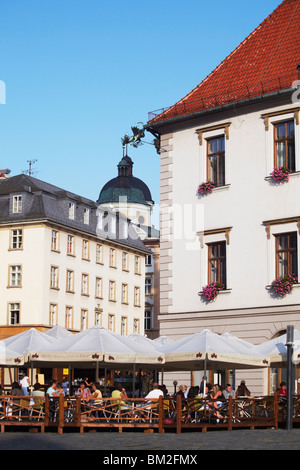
125	185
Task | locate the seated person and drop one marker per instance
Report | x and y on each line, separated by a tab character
96	395
119	394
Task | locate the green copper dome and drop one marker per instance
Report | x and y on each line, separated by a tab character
125	185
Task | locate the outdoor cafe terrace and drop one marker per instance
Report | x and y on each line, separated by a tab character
101	348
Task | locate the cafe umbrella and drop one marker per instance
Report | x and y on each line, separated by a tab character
206	350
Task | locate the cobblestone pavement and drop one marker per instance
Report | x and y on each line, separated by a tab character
261	439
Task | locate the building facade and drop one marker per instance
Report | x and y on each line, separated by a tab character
234	129
66	262
131	197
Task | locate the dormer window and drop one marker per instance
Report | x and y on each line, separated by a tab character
86	216
71	210
17	204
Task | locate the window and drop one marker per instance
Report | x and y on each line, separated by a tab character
15	276
55	240
98	316
16	239
136	325
14	314
137	297
85	284
71	210
286	254
124	261
148	260
137	265
216	160
83	319
217	263
99	253
53	315
147	320
124	294
69	317
71	245
284	145
112	258
112	291
111	322
70	281
98	290
17	204
148	286
123	326
86	216
85	249
54	277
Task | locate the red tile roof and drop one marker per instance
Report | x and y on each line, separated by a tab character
265	62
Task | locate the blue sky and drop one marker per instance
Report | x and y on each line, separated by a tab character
79	74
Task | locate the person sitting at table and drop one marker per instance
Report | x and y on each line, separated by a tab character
96	395
218	399
51	391
119	394
242	390
37	391
16	391
59	389
155	393
38	397
228	392
83	391
282	391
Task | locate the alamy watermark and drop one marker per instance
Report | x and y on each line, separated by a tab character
178	221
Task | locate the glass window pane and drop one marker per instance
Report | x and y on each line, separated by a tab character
291	155
294	264
213	146
280	131
293	240
290	129
221	171
221	144
213	169
214	271
282	264
280	152
282	242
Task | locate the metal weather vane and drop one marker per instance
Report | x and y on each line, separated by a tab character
136	139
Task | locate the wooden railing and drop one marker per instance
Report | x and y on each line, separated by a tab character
161	414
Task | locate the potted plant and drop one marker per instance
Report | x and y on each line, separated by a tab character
211	291
283	285
205	188
281	174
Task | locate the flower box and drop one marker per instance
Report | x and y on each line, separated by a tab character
211	291
283	285
205	188
281	174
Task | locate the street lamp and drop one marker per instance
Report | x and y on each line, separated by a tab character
289	345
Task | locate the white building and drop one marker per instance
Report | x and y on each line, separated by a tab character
130	196
65	262
233	129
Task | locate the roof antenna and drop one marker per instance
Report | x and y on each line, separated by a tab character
30	172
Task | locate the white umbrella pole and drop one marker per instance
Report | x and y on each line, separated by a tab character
133	382
31	379
204	384
97	371
105	379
